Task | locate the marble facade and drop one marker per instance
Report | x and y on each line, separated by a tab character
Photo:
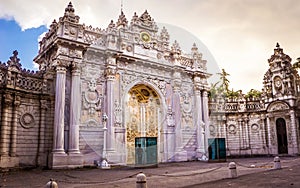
98	90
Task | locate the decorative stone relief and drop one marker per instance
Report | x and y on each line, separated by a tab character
92	123
212	130
187	105
127	79
27	120
272	135
27	117
170	117
232	128
289	132
92	98
161	84
278	106
255	128
118	114
151	115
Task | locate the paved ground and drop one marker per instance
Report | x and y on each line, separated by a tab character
252	172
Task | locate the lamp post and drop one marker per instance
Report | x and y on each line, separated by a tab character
104	163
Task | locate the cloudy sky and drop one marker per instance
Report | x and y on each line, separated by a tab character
240	34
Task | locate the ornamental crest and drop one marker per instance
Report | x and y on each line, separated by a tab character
278	106
92	98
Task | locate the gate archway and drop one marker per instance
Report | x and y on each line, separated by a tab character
142	119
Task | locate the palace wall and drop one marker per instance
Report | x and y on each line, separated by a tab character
26	115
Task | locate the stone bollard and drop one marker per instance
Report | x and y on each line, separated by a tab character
232	170
141	180
51	184
277	164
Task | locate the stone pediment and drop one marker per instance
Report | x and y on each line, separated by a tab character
277	106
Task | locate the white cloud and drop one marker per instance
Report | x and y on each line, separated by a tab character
240	34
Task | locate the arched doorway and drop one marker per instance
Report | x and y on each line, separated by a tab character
142	120
281	136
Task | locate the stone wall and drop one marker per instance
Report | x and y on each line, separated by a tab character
26	115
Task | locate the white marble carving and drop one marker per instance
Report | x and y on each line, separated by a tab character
92	98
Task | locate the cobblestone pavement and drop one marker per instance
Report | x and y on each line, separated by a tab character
252	172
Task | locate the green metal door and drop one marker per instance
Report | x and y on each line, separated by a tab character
145	150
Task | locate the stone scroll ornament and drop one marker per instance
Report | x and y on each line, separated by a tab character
92	98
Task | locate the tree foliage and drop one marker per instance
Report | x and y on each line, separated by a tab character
224	80
253	93
222	87
296	65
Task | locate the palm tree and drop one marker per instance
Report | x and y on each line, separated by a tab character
213	90
224	80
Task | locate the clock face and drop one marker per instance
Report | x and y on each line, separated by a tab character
145	37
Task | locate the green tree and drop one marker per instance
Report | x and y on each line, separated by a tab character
224	80
296	65
253	93
213	90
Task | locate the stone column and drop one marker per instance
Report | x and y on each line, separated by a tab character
74	112
198	112
58	136
293	130
5	125
205	118
13	146
269	133
246	132
110	79
41	147
263	130
177	110
169	136
241	133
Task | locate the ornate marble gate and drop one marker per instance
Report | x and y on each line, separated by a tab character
142	117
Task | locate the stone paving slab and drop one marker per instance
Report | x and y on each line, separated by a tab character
181	174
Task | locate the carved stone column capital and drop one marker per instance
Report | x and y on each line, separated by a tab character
60	63
176	82
197	85
205	93
111	61
76	68
76	71
17	101
110	71
44	105
263	116
8	99
61	69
